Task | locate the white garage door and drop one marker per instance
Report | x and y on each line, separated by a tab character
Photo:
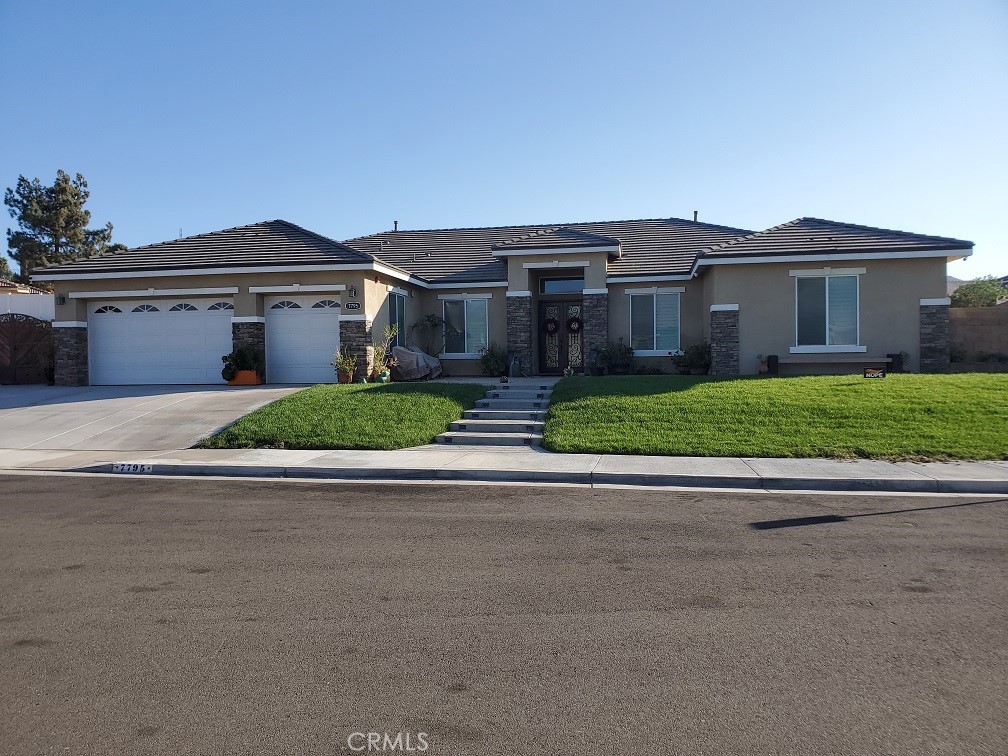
158	341
302	334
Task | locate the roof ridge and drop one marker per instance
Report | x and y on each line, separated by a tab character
877	228
747	237
548	226
364	254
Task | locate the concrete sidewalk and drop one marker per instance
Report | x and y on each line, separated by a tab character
528	465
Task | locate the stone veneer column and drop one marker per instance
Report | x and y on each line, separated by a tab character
596	321
249	333
724	339
356	336
934	335
519	330
70	354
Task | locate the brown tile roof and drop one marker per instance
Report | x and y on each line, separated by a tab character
810	236
562	237
275	242
22	288
659	246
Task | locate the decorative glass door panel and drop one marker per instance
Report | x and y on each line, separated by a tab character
560	336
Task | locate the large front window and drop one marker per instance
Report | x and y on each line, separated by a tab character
466	328
826	311
654	322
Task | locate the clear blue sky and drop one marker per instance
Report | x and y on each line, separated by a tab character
344	116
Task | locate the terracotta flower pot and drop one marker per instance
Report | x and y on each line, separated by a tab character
245	378
344	377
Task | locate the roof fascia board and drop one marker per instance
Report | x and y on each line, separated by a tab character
612	249
949	254
211	291
377	267
293	288
470	285
556	264
645	279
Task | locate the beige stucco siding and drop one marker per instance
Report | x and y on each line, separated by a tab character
889	304
246	304
691	330
521	278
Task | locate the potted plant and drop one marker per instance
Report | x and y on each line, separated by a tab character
345	363
618	357
383	359
245	366
696	359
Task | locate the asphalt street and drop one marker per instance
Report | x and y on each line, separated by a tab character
177	616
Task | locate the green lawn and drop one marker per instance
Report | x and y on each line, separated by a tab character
902	416
357	416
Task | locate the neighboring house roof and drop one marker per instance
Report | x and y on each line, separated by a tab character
13	287
657	246
275	242
810	236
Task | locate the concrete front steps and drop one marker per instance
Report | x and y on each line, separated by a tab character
508	416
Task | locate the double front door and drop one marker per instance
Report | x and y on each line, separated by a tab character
560	336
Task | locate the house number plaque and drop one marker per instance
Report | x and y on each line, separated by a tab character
352	306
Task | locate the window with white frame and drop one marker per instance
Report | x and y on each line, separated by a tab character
826	311
654	320
397	317
466	328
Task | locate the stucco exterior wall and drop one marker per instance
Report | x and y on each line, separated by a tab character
691	316
889	304
521	278
428	303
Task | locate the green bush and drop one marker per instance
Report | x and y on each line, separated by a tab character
494	360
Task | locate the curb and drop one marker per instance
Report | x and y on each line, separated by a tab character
752	483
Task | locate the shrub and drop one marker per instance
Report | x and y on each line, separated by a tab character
696	357
245	357
980	292
494	360
617	354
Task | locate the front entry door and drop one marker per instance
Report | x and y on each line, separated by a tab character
560	336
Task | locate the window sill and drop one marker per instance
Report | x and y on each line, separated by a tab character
656	352
459	356
849	349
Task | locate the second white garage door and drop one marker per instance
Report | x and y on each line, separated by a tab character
302	335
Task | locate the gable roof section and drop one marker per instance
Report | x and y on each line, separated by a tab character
815	236
561	237
657	246
270	243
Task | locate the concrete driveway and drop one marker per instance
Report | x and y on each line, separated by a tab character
123	418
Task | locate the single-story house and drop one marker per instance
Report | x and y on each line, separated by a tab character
821	295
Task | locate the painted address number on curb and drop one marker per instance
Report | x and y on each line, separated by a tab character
131	467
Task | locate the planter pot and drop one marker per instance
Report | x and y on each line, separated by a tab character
383	377
344	377
763	369
245	378
597	370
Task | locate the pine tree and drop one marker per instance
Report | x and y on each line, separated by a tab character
52	223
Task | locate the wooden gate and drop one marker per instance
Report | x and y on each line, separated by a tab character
26	350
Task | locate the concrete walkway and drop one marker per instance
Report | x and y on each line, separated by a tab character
522	464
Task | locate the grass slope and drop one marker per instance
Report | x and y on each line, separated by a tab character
372	416
902	416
